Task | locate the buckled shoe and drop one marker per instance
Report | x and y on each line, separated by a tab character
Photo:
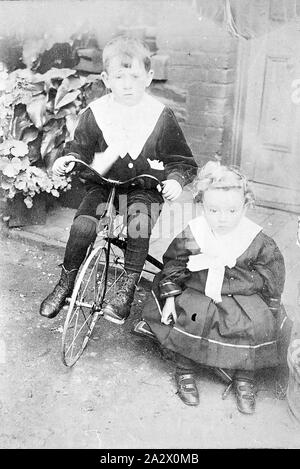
187	389
245	392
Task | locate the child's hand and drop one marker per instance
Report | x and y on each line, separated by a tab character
171	189
169	311
103	161
63	165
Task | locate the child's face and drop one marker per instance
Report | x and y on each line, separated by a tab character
127	84
223	209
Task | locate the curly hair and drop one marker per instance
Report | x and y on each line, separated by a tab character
213	175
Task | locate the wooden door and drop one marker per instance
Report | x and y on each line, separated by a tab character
270	145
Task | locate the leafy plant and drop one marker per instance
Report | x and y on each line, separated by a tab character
38	114
42	109
18	176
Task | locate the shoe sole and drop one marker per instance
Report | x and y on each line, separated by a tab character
109	314
110	318
190	404
251	412
245	413
142	333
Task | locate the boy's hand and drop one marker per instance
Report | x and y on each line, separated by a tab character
169	311
63	165
103	161
171	189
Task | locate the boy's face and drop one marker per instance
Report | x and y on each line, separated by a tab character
223	209
127	84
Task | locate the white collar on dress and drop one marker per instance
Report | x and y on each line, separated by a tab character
219	251
131	125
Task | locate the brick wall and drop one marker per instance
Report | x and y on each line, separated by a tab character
208	79
202	54
202	62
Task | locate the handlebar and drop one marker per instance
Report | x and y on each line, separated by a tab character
114	181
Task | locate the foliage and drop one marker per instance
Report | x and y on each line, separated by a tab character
41	110
19	176
38	114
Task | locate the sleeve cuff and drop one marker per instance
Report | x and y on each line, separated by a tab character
274	304
76	155
169	289
178	177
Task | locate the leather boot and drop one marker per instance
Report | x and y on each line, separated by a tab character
53	303
118	309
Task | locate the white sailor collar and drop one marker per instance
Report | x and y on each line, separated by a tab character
131	125
219	251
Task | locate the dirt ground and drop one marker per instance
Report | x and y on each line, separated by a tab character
121	392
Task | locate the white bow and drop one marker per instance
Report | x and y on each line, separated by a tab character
219	251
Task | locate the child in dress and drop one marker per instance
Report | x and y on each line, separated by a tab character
123	134
217	301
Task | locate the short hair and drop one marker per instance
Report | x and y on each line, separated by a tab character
127	48
213	175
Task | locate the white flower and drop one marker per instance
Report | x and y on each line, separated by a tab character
156	164
19	149
28	202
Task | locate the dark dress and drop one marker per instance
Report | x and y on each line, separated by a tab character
245	330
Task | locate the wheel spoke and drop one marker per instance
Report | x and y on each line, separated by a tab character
72	342
80	303
96	283
78	332
82	314
87	282
114	283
